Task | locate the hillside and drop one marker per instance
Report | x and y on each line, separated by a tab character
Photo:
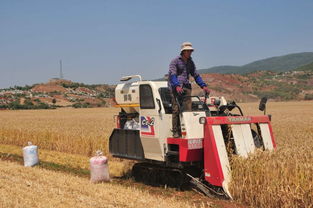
56	93
276	64
308	67
291	85
282	86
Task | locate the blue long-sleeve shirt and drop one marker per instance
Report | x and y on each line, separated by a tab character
179	72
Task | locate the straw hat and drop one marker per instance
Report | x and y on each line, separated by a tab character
186	46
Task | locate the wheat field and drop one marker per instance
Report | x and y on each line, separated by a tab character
35	187
77	131
282	178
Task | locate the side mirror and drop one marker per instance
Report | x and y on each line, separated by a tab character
262	105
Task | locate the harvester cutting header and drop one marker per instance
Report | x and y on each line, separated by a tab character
181	139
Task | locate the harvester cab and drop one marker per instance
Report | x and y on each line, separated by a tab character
211	134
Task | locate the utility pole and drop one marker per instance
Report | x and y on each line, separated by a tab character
61	72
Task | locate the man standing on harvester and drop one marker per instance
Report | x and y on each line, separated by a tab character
178	81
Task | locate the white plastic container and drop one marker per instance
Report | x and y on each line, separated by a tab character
99	169
132	124
30	155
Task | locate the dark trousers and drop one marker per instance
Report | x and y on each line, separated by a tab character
184	104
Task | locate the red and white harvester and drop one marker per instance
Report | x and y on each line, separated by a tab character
211	134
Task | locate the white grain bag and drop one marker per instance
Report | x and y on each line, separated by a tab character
30	155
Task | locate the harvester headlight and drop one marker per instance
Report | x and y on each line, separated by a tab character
202	120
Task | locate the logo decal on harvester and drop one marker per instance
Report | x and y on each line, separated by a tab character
195	144
239	119
147	125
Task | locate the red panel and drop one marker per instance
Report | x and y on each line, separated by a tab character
178	141
148	133
237	119
185	154
212	164
272	135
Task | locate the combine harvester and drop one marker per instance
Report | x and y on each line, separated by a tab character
211	134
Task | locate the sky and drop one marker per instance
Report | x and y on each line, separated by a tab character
99	41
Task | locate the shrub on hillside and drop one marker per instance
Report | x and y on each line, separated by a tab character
4	106
81	105
308	97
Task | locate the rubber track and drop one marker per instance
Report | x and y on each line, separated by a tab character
155	175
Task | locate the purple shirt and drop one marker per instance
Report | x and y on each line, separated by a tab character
179	72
